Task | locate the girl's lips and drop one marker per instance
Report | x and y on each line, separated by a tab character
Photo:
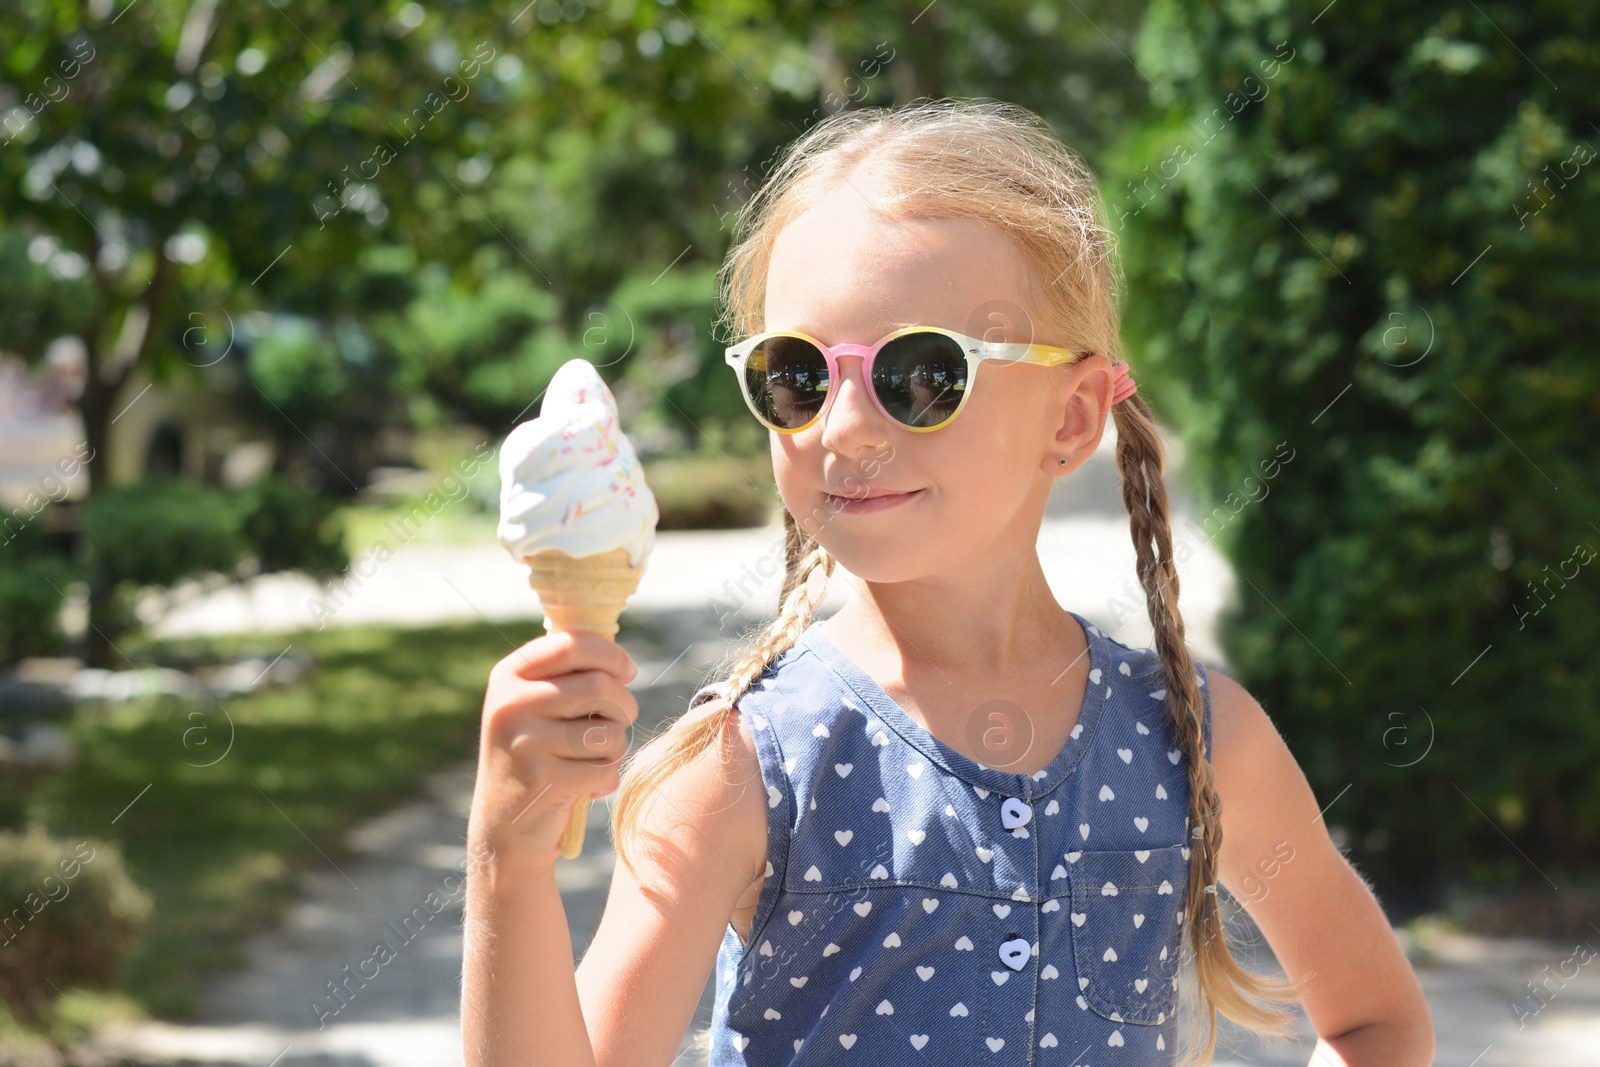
854	506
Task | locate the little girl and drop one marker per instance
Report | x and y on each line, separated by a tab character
954	823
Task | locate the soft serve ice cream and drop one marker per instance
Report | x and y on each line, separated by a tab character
575	507
569	479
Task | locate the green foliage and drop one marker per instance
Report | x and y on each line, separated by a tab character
711	491
158	532
1370	238
300	372
288	527
33	585
73	916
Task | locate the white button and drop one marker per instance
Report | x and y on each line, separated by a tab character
1014	953
1014	813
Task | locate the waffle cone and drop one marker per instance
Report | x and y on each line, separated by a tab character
582	594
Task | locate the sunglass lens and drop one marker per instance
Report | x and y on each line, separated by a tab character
921	378
787	380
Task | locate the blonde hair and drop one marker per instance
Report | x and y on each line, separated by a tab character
1001	164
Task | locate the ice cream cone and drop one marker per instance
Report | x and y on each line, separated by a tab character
582	594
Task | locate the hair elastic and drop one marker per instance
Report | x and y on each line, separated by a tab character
1124	386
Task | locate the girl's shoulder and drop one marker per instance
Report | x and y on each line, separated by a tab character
1142	666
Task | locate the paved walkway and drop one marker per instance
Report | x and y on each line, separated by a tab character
278	1009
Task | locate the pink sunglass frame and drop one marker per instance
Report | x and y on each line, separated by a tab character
975	349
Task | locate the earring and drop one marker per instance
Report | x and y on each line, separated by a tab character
1062	462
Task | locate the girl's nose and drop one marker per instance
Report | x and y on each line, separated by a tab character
852	420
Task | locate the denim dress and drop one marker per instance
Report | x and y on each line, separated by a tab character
920	908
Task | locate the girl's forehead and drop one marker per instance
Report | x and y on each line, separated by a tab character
849	273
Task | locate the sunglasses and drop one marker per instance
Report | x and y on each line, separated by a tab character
921	375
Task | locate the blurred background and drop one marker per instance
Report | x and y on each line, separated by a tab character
276	279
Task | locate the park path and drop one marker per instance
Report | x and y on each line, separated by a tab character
407	1016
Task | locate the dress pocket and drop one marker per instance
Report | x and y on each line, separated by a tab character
1125	931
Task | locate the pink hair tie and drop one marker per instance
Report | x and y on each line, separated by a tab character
1124	386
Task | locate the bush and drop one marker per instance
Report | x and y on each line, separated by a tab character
33	584
73	914
159	532
702	492
1361	239
288	527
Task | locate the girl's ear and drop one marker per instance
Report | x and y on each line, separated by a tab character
1082	406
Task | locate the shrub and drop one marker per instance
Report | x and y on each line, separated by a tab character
71	915
159	532
289	527
696	492
1367	235
33	584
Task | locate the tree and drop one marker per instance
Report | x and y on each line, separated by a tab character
192	160
1359	239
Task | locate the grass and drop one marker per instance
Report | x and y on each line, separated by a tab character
219	848
367	525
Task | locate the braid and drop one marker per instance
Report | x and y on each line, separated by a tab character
1222	981
806	569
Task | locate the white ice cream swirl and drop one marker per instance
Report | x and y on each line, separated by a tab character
570	480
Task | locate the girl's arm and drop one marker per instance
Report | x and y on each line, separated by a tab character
704	841
1319	916
521	1003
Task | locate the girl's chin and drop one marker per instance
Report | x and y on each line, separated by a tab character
878	564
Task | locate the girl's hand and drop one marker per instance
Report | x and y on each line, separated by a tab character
555	728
